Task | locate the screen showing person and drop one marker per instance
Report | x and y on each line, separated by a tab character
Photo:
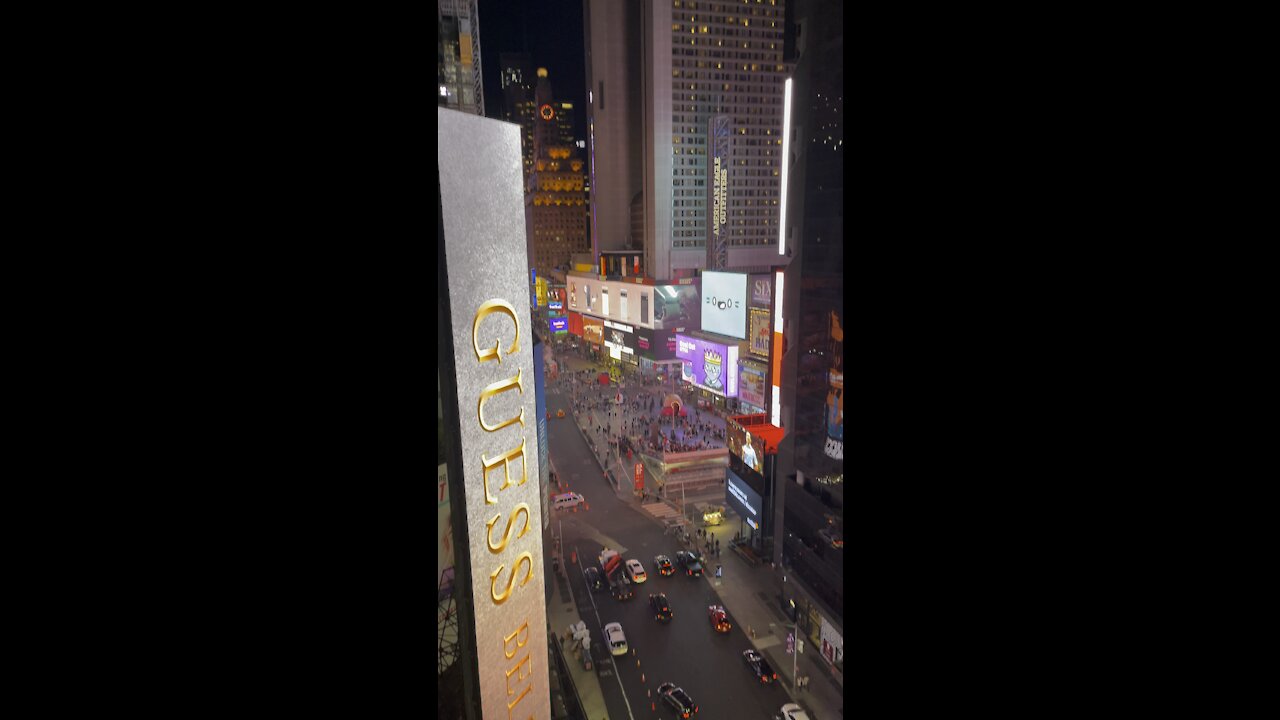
749	454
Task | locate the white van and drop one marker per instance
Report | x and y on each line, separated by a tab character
567	501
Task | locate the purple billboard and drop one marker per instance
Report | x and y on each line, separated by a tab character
709	365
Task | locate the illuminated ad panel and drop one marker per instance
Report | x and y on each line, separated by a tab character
720	131
724	303
744	501
753	383
490	336
676	307
746	447
558	325
761	333
711	366
620	337
593	330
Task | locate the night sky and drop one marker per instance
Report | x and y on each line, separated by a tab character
551	32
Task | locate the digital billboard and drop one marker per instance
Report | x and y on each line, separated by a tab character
742	444
593	330
724	303
752	385
558	325
676	306
744	501
834	420
575	324
618	336
761	332
709	365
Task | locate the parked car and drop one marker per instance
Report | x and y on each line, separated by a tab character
664	565
677	699
792	711
614	638
661	609
759	666
636	571
593	579
719	618
690	562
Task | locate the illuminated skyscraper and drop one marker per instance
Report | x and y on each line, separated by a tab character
556	193
659	72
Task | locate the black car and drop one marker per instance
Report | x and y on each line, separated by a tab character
759	666
677	699
593	579
691	563
620	587
661	610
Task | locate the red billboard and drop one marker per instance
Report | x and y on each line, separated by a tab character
575	323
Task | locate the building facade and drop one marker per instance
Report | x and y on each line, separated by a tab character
556	186
699	60
811	459
461	84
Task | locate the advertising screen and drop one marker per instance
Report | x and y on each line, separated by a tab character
709	365
555	305
761	332
744	446
724	303
745	501
751	382
761	290
559	325
620	340
593	329
676	306
575	324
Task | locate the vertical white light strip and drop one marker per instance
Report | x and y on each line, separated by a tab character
777	301
595	239
786	150
775	415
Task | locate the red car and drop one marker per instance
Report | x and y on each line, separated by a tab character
719	619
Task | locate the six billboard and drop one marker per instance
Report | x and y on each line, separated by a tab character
724	303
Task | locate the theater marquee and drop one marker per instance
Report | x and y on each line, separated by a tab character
483	229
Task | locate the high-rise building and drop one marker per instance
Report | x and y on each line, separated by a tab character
811	460
556	193
458	46
517	83
701	63
532	112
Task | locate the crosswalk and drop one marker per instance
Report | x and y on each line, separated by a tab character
660	510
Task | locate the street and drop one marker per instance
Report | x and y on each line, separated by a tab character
686	651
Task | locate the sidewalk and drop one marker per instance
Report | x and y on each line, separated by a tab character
562	611
750	595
